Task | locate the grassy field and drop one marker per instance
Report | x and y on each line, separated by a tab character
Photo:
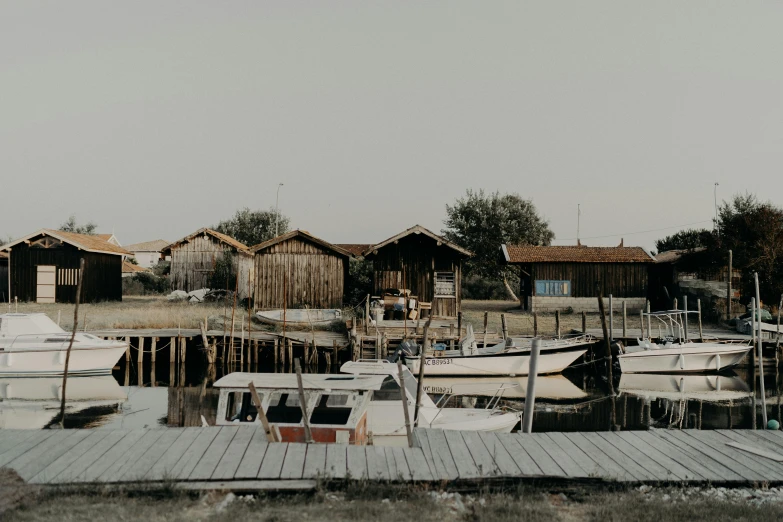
390	503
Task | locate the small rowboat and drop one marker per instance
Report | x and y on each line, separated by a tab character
300	317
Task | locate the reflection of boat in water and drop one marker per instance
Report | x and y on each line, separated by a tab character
33	345
33	402
711	388
300	317
555	387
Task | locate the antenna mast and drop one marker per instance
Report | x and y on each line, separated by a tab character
578	218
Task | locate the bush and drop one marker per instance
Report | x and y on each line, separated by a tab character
480	288
145	283
359	282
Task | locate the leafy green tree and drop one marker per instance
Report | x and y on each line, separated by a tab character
359	282
483	222
252	227
72	226
685	240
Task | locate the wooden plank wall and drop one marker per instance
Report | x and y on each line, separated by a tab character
299	273
103	281
618	279
193	262
411	264
3	280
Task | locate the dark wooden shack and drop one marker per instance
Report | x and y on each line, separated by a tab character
298	269
424	263
44	267
4	278
195	257
563	277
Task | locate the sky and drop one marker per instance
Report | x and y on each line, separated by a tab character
156	118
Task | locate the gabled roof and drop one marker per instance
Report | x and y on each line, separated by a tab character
81	241
228	240
148	246
130	268
575	254
418	229
354	248
304	234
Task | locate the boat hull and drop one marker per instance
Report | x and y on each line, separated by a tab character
41	363
683	360
509	363
299	317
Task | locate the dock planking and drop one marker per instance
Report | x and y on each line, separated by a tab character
241	455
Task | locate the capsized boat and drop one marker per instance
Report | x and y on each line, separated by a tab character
504	358
33	345
360	406
300	317
677	355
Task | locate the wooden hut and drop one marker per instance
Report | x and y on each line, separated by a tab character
298	269
195	257
424	263
44	267
563	277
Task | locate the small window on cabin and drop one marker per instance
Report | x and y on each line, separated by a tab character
331	409
548	288
241	408
445	284
284	408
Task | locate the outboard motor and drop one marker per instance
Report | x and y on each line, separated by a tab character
406	348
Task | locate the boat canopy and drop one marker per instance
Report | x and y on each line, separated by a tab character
12	325
278	381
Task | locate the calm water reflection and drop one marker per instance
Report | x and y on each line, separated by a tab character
578	400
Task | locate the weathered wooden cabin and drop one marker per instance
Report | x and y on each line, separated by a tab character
195	257
44	267
563	277
424	263
298	269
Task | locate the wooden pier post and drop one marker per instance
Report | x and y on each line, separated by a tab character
276	347
777	335
584	322
649	321
183	344
728	289
420	385
459	324
404	398
701	331
641	323
535	324
140	361
611	318
172	360
557	324
367	315
335	351
602	311
675	304
685	322
530	396
270	434
153	356
290	355
503	326
625	321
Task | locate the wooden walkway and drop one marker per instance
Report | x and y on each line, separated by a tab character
214	456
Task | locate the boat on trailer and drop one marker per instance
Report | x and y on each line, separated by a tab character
33	345
504	358
363	405
676	354
300	316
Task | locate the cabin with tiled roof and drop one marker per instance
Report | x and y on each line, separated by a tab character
195	257
149	253
43	267
562	277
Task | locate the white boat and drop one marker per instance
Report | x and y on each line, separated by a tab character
300	317
555	343
33	345
361	406
553	387
501	359
34	402
708	388
676	355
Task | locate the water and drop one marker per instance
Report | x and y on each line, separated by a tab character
577	400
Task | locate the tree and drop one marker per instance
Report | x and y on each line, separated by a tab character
72	226
252	227
481	223
685	240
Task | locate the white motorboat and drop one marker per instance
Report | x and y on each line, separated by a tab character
361	406
552	387
678	355
554	344
34	402
33	345
300	317
708	388
504	358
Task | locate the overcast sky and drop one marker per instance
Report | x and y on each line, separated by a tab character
157	118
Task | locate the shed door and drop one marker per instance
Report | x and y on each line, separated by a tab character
46	284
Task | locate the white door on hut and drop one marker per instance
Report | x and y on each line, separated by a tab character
46	284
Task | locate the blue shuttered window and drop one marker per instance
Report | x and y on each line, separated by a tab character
553	288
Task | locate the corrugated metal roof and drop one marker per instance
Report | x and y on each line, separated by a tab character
148	246
575	254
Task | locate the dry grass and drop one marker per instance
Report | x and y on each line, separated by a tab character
521	323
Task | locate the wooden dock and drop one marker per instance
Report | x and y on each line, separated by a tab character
237	457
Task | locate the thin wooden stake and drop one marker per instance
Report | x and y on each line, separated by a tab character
270	434
303	403
761	358
728	289
70	344
557	323
503	326
535	324
701	331
530	396
422	360
602	311
140	359
404	397
584	321
153	356
625	321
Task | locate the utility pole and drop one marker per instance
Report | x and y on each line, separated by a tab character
715	194
277	212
